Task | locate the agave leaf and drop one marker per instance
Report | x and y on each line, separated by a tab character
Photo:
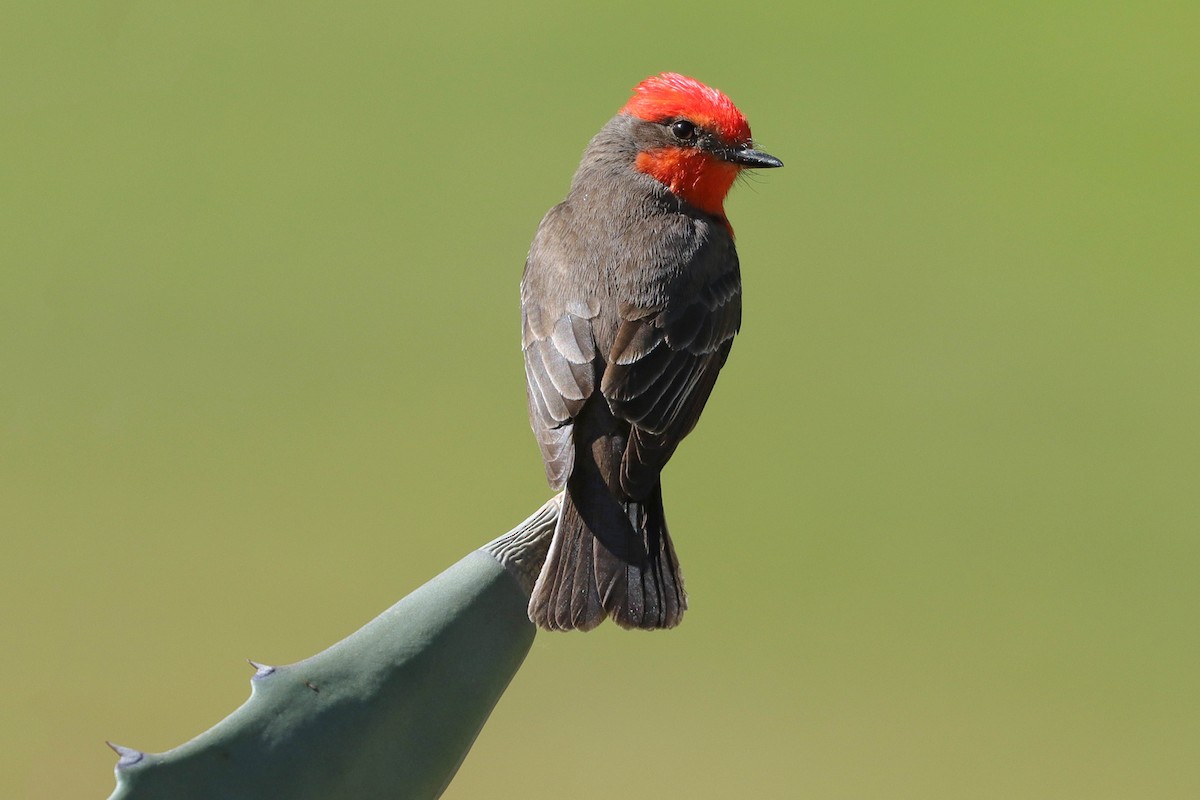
388	712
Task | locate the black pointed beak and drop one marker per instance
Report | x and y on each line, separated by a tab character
744	156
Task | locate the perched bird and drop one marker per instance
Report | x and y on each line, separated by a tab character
630	300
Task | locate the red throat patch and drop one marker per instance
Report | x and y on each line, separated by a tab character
700	178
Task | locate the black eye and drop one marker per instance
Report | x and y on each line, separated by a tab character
682	129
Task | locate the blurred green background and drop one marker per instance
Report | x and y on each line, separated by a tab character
260	377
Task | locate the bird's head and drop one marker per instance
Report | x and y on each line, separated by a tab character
696	141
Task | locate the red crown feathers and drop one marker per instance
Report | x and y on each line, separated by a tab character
670	95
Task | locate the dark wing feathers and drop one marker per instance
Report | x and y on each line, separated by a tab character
559	377
663	365
554	438
572	337
667	348
648	452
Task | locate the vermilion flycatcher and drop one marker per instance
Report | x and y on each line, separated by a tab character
629	303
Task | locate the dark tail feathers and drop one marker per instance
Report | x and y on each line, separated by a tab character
609	558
